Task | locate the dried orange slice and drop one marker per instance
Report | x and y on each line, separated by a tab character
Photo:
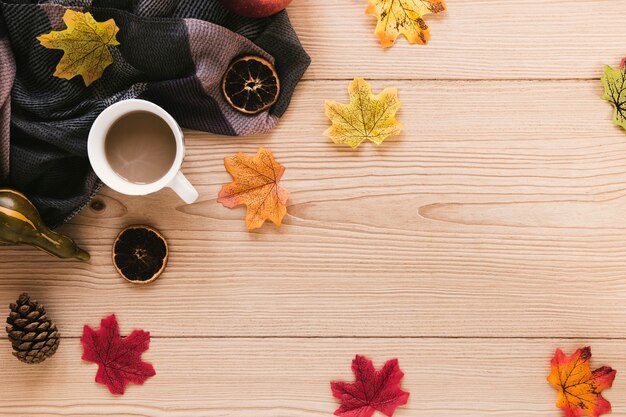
251	85
140	254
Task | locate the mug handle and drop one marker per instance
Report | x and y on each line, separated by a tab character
183	188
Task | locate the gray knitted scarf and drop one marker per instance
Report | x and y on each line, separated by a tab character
172	52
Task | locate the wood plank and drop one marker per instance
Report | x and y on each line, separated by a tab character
479	39
498	213
290	378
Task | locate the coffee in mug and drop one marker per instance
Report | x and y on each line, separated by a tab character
137	148
140	147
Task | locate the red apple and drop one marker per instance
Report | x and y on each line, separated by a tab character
256	8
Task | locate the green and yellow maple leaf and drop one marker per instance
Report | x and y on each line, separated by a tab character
367	116
406	17
614	81
86	46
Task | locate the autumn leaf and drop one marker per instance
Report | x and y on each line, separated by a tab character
614	81
367	116
85	44
256	186
578	387
118	358
372	391
406	17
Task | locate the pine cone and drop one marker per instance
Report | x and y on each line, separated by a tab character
34	337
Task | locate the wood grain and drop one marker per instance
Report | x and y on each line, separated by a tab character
290	378
477	39
497	213
488	234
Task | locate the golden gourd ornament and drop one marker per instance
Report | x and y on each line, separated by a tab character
21	224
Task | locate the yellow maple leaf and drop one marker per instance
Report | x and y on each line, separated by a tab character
86	46
367	116
404	17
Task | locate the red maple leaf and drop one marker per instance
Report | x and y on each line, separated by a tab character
118	358
373	390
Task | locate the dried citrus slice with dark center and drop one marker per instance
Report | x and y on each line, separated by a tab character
140	254
251	85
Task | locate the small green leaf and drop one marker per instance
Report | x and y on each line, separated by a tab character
614	81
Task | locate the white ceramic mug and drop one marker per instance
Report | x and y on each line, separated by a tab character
173	179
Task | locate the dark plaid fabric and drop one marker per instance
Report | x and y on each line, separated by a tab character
172	52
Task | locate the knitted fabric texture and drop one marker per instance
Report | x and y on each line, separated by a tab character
172	52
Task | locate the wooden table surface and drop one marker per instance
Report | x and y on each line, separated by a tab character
490	233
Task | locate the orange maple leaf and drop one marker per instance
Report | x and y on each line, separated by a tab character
256	186
579	388
404	17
